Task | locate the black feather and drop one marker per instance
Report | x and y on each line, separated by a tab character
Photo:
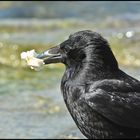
103	101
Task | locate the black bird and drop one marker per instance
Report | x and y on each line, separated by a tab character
103	101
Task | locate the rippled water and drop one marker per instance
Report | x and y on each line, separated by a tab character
31	104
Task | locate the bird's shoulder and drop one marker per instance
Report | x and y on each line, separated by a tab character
116	99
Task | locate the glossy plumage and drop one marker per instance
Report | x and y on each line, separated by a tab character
103	101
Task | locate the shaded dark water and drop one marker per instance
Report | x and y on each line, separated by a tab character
91	10
31	104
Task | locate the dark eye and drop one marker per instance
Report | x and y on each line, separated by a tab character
78	38
77	55
65	48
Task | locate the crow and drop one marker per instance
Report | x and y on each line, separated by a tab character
103	100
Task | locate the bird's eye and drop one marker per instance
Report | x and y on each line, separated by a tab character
78	38
65	49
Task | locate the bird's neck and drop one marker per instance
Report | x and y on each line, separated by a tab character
98	64
89	71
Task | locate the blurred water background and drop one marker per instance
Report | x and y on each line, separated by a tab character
31	104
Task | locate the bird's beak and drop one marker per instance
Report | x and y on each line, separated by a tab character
51	55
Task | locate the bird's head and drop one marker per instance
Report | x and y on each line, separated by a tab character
82	48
